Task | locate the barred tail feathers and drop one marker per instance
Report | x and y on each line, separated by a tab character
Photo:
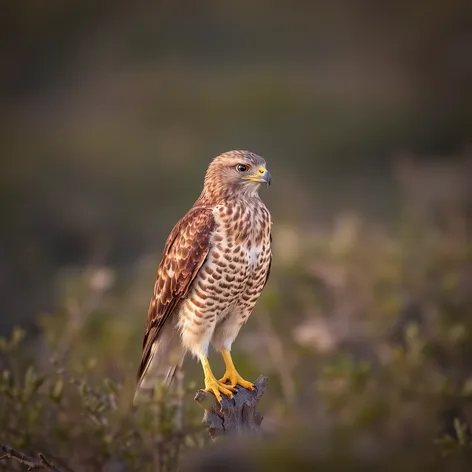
165	359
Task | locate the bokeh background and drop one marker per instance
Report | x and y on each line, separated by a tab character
110	113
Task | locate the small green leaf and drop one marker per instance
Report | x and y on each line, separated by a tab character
57	389
461	431
17	336
29	377
110	386
6	375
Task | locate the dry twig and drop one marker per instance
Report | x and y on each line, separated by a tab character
31	462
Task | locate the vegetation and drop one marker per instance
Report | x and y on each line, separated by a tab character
361	331
110	113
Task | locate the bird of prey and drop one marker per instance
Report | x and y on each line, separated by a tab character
216	262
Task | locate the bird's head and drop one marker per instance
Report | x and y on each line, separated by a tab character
239	173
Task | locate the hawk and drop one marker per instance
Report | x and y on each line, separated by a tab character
216	262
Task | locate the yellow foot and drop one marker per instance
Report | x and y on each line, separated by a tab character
217	388
232	376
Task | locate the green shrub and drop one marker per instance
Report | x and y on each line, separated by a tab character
363	332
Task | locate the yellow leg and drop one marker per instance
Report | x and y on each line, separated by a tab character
211	384
231	373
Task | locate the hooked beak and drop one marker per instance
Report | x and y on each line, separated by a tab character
261	176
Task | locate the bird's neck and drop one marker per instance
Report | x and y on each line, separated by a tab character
214	196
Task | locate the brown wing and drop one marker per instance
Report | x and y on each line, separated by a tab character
270	263
184	254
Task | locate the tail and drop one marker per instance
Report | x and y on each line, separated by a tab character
165	359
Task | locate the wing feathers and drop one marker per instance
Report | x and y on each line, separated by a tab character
184	254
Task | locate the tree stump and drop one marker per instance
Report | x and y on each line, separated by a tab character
236	416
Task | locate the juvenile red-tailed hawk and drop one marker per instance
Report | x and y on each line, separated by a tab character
215	264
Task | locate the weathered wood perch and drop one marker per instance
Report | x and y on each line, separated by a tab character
236	416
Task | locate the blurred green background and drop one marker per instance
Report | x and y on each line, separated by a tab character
111	112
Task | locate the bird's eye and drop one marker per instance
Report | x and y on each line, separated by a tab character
241	168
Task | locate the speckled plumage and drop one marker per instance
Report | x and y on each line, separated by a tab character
215	264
